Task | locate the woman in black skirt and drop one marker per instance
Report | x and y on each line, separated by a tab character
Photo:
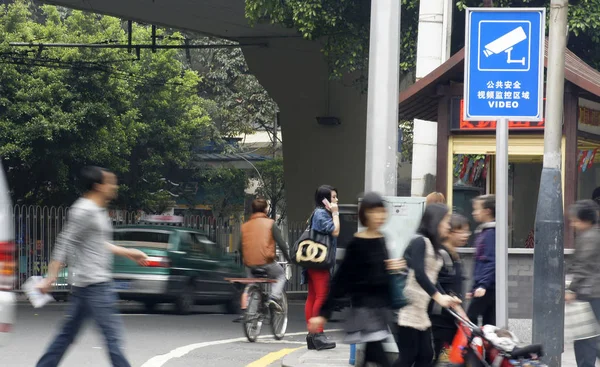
364	276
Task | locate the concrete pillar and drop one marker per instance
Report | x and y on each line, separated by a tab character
433	49
295	74
435	29
424	157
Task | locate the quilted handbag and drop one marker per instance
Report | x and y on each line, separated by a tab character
313	250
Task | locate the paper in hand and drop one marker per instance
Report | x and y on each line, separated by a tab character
35	296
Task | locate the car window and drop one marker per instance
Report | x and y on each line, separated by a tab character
203	245
186	243
142	238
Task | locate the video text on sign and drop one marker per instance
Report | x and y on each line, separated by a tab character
503	94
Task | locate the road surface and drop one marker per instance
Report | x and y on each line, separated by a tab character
205	338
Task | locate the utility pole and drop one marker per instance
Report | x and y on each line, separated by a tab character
548	276
274	177
275	131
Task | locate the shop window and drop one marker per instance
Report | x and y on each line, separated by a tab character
524	186
474	175
588	144
588	172
470	177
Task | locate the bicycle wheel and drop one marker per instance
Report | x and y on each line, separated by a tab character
253	316
279	319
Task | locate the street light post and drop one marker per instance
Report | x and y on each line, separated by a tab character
382	104
381	157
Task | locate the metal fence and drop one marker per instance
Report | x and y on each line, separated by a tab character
36	229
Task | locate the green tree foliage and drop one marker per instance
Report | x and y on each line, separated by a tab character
344	27
224	189
407	140
241	104
159	202
63	108
271	186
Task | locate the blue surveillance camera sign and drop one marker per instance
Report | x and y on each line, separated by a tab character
504	64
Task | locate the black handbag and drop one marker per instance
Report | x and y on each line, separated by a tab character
397	283
313	250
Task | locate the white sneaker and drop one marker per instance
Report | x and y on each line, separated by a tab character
275	305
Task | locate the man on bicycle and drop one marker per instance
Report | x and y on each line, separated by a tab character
259	236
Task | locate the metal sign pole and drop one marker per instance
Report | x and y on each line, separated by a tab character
502	222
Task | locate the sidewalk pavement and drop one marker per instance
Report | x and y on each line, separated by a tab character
339	357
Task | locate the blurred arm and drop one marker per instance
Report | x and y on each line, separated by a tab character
70	237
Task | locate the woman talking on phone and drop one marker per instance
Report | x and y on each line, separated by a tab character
326	220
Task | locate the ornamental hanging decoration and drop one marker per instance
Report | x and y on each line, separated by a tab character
471	169
585	159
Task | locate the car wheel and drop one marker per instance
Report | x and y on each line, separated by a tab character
185	301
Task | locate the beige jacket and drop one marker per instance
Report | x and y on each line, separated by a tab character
415	315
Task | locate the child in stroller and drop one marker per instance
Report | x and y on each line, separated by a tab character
490	346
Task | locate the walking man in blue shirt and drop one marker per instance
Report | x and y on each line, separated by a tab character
85	246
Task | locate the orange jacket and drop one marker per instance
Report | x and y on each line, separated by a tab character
258	243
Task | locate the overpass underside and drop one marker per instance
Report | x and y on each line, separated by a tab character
295	74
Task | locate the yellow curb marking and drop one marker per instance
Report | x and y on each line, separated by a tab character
272	357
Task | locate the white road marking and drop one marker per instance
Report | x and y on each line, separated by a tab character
160	360
133	314
273	341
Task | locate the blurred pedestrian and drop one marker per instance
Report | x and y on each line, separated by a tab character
584	271
451	280
483	293
85	246
424	263
326	220
363	275
435	198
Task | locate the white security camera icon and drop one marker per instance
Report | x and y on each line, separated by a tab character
506	44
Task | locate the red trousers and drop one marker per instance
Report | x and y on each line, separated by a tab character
318	288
